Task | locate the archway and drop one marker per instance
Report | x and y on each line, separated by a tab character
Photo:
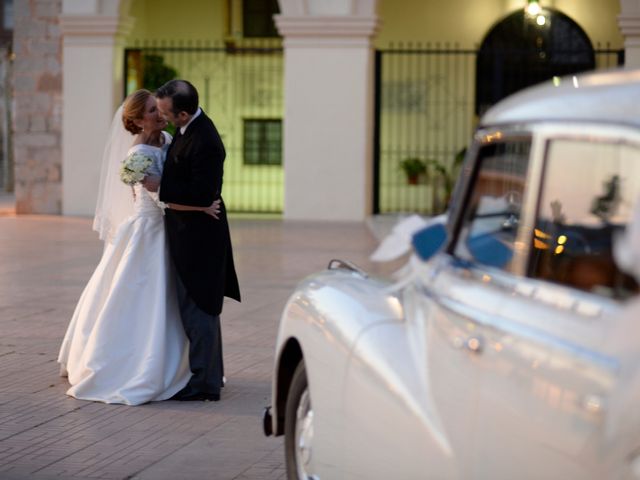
523	49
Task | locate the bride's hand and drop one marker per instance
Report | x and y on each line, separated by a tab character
213	209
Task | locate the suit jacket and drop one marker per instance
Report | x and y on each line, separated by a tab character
200	245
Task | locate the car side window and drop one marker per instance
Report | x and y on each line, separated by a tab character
490	225
588	193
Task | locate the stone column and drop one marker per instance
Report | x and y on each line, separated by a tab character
93	87
37	125
328	108
629	22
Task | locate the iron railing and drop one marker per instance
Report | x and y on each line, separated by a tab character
239	85
426	109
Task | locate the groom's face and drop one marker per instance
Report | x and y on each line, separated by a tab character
165	106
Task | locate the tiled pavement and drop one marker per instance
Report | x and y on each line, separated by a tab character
44	264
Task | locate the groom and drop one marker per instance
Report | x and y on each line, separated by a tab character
200	245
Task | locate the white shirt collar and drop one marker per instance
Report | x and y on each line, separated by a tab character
184	127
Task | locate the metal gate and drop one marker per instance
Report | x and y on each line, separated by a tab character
426	113
241	89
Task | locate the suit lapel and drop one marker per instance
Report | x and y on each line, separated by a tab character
177	146
180	140
173	143
195	125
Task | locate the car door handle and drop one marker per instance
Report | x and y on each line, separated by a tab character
474	344
593	404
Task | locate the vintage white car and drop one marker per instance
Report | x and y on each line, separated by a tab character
510	349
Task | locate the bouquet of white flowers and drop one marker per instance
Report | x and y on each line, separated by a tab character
134	167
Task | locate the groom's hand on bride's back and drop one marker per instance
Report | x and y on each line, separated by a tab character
151	182
213	209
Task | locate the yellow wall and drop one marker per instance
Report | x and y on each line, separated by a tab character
171	20
231	88
466	22
599	18
234	87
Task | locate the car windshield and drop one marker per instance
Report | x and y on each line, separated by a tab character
588	189
493	213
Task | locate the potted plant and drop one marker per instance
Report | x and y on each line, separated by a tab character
413	167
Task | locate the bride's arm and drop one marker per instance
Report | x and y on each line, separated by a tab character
212	209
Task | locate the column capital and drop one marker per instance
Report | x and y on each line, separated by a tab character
629	25
327	30
94	29
629	7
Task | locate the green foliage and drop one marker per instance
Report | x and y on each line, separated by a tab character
155	72
459	158
439	175
171	128
413	166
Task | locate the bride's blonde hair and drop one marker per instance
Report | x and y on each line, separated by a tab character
133	109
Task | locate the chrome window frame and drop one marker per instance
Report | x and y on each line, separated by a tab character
541	135
482	138
603	133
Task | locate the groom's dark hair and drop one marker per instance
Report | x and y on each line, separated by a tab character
184	96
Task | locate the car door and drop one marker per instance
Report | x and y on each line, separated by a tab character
546	378
391	428
456	299
425	373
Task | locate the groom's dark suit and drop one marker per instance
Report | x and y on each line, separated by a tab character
200	245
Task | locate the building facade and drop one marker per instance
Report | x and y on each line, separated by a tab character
315	91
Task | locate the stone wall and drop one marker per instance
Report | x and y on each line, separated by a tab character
6	101
37	118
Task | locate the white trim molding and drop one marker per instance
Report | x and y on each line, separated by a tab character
629	26
327	30
629	23
323	26
94	29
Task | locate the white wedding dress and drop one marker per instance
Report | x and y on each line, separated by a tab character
125	342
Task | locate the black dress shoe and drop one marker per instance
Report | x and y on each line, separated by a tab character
211	397
198	397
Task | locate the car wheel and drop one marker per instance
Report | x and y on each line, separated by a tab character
298	428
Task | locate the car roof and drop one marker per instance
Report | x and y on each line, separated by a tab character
611	96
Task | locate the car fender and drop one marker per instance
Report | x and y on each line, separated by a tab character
321	323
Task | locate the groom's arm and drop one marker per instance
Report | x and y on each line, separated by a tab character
152	184
213	209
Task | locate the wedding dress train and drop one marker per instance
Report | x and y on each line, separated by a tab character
125	342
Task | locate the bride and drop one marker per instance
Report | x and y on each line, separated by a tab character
125	342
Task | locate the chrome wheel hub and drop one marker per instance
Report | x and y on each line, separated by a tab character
304	437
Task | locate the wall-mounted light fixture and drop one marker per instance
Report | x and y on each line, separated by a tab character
533	8
534	11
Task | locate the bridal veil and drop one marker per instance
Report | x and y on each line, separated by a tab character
115	199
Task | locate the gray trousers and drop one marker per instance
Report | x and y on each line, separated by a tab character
205	345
